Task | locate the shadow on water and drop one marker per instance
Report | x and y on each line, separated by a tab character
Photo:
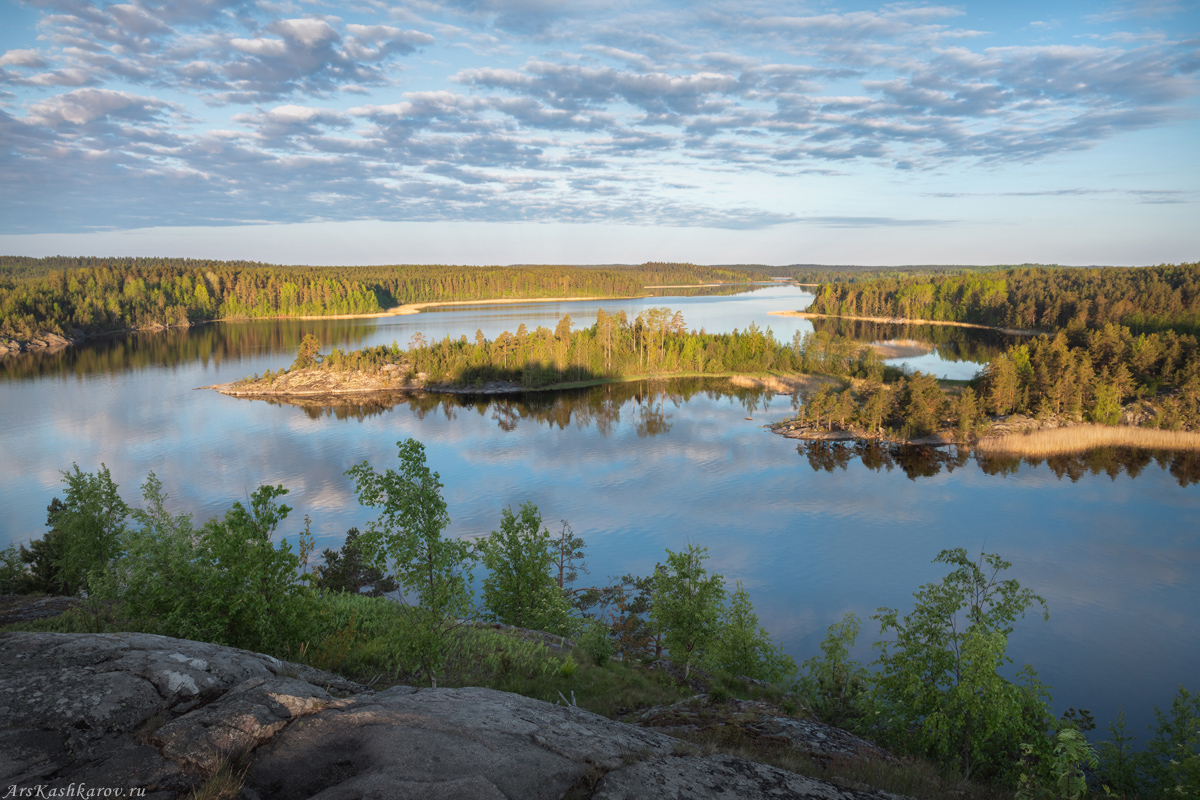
951	343
646	404
212	343
926	462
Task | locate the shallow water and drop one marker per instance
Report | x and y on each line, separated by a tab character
639	468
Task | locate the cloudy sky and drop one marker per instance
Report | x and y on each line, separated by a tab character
503	131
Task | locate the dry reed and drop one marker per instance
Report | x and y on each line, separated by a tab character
1059	441
780	384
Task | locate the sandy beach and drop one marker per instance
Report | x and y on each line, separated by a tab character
416	308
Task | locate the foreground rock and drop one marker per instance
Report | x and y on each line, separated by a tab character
135	711
761	722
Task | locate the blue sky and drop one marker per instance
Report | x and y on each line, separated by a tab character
504	131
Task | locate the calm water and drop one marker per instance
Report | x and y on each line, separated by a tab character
1113	545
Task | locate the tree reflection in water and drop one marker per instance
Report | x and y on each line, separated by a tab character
600	406
926	462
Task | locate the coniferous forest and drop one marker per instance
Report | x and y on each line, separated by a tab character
97	295
1047	299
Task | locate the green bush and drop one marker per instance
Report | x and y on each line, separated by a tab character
1174	750
938	685
14	576
742	647
408	533
348	570
596	642
520	588
687	605
832	685
92	521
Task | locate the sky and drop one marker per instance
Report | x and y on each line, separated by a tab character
536	131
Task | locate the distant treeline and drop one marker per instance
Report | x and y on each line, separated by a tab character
854	273
1142	298
96	295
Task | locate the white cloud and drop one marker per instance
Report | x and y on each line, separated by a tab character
22	58
567	111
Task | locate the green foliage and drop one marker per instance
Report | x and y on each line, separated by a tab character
1174	750
1106	405
938	683
250	594
1120	766
14	575
687	605
306	355
520	588
833	685
742	647
1071	754
408	532
92	522
624	608
161	570
596	642
44	558
348	570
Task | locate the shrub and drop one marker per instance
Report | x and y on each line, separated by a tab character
92	521
833	685
408	532
596	642
520	589
742	647
938	680
687	605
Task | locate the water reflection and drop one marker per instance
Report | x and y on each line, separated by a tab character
206	344
597	406
927	462
950	343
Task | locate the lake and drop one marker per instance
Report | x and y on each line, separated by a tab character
1112	541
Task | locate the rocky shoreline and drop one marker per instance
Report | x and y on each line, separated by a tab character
167	717
317	382
50	342
45	341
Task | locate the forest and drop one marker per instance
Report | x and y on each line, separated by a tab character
1076	375
98	295
1144	299
655	342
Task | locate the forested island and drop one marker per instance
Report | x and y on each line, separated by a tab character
59	300
841	387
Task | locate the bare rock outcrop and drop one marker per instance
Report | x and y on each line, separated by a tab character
719	777
136	711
